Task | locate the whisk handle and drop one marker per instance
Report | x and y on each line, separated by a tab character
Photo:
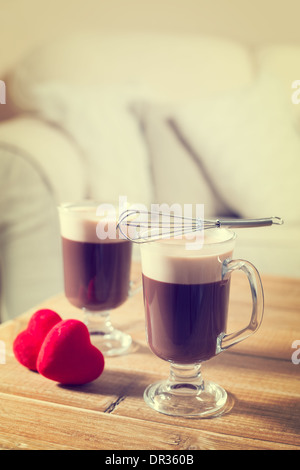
240	223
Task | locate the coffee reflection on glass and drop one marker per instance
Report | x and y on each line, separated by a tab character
96	271
186	297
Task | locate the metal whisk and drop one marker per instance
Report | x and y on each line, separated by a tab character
144	226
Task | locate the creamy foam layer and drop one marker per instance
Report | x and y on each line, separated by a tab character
85	226
172	262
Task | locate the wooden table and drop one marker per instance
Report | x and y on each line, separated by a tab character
261	380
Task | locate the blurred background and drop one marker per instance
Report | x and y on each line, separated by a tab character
169	101
25	24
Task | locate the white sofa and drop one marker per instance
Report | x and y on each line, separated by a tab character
158	118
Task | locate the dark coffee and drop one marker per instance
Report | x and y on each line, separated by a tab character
183	321
96	275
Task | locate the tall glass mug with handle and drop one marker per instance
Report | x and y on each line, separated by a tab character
97	265
186	297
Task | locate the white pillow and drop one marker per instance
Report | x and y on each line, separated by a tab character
177	176
102	125
283	61
249	145
174	66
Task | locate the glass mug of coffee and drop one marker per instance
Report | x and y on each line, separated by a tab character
97	264
186	296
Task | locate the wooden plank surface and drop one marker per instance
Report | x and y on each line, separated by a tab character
262	383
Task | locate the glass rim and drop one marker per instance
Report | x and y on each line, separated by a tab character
75	206
201	244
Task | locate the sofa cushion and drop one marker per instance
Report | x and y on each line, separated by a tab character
273	250
283	62
178	177
249	144
173	67
84	83
106	134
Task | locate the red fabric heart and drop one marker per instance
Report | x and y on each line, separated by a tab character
27	344
67	355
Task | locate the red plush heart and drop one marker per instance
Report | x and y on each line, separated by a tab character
67	355
27	344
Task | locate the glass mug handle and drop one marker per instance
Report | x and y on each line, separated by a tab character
225	341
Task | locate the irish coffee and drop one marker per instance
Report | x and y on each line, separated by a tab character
96	271
184	320
96	275
186	295
97	266
185	299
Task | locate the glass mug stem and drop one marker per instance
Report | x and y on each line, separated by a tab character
225	341
186	377
185	392
98	323
111	341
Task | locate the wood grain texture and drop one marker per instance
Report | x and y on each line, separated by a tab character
262	383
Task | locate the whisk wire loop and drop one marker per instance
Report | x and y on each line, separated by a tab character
145	226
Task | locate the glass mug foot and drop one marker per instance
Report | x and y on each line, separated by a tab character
186	395
104	336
